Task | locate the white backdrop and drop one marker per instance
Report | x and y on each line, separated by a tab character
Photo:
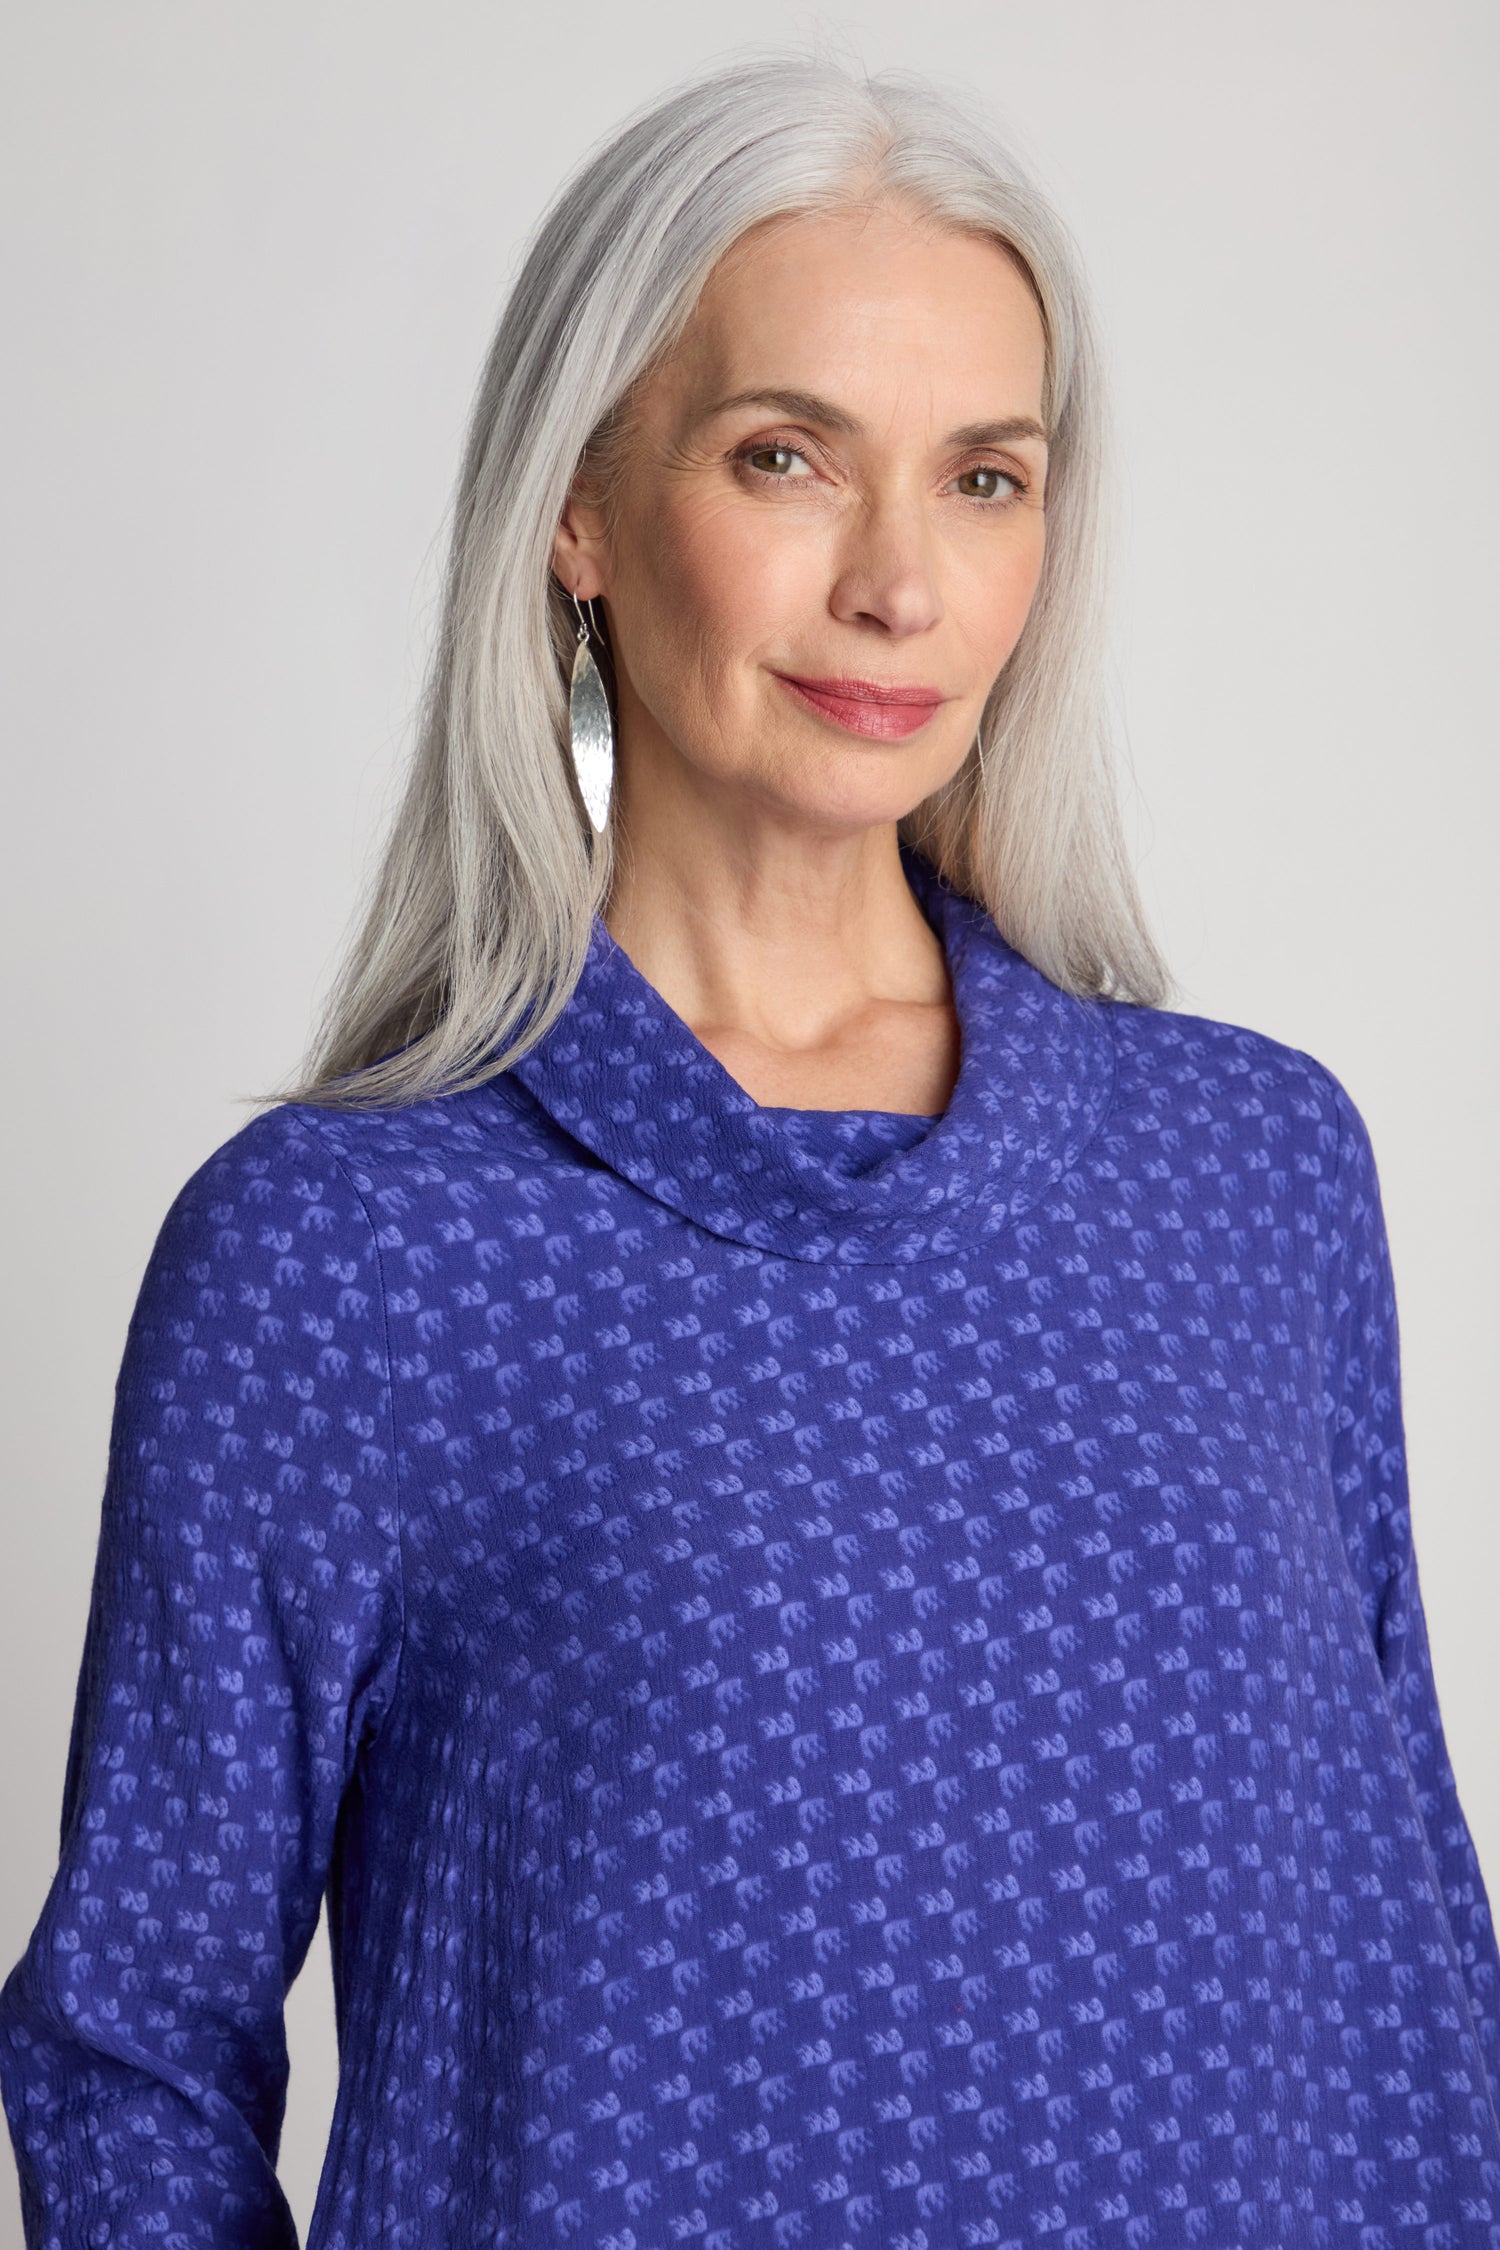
251	258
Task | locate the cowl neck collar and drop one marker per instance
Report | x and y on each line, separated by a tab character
622	1073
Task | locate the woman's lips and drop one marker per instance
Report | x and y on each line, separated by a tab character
864	707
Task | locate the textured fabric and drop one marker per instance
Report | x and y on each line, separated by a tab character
848	1680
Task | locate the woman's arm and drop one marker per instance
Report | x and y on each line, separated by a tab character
1362	1397
243	1637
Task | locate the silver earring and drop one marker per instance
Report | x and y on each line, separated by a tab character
591	734
979	746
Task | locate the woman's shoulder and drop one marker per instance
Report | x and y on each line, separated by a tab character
329	1187
288	1151
272	1169
272	1212
1180	1069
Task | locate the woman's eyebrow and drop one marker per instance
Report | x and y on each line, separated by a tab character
998	433
807	406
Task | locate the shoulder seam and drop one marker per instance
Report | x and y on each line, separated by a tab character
390	1398
1105	1017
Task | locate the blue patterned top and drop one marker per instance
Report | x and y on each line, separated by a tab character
850	1682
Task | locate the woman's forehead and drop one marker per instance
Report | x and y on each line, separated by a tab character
887	248
851	306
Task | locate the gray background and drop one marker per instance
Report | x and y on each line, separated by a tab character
251	257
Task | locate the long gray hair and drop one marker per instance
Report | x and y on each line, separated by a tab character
476	926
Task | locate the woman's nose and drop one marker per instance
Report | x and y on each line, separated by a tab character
887	571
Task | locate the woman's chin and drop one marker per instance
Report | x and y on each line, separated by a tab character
847	806
831	779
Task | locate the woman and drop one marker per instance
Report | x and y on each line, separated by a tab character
784	1488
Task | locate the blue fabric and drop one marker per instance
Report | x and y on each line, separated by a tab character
847	1680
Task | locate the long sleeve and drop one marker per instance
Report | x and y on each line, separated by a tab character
1363	1404
242	1643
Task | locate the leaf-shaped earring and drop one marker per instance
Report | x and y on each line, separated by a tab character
591	733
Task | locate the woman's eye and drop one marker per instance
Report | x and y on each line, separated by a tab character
990	480
772	460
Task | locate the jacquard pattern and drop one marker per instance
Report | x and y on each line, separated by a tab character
851	1682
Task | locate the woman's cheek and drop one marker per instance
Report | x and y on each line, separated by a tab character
1007	606
740	567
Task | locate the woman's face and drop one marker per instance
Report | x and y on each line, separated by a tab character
831	495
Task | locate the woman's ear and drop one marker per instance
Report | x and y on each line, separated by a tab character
578	550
